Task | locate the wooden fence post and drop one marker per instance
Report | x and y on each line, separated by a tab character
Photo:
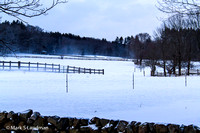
19	64
37	66
3	64
67	69
52	67
74	69
45	67
59	68
10	65
90	70
29	66
103	71
79	70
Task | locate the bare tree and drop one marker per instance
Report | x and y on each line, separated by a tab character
185	7
160	36
185	20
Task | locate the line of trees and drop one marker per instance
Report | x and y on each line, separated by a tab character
176	43
179	36
23	38
179	40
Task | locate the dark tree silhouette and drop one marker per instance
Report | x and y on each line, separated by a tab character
30	39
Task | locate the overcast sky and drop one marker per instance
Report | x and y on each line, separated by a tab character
101	18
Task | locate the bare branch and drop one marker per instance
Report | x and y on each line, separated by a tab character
185	7
26	8
5	44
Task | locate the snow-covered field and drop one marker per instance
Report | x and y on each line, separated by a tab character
152	99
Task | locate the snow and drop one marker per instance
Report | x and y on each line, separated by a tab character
77	57
111	96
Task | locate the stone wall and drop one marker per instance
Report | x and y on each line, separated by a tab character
30	121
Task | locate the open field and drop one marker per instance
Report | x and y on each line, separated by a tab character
112	96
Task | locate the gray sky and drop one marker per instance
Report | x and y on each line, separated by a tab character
101	18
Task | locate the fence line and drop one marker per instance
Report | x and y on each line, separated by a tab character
184	72
44	67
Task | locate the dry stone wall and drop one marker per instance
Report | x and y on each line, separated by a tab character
33	122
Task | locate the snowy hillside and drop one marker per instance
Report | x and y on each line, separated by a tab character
112	96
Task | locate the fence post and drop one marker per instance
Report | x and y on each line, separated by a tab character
29	66
19	64
3	64
59	68
45	66
10	65
103	71
74	69
37	66
79	70
84	70
197	71
67	69
90	70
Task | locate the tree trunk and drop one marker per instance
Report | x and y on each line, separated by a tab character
179	68
179	63
174	67
140	61
189	59
164	68
188	67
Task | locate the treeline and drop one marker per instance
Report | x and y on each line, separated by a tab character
176	44
21	38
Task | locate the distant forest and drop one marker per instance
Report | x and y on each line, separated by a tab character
22	38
